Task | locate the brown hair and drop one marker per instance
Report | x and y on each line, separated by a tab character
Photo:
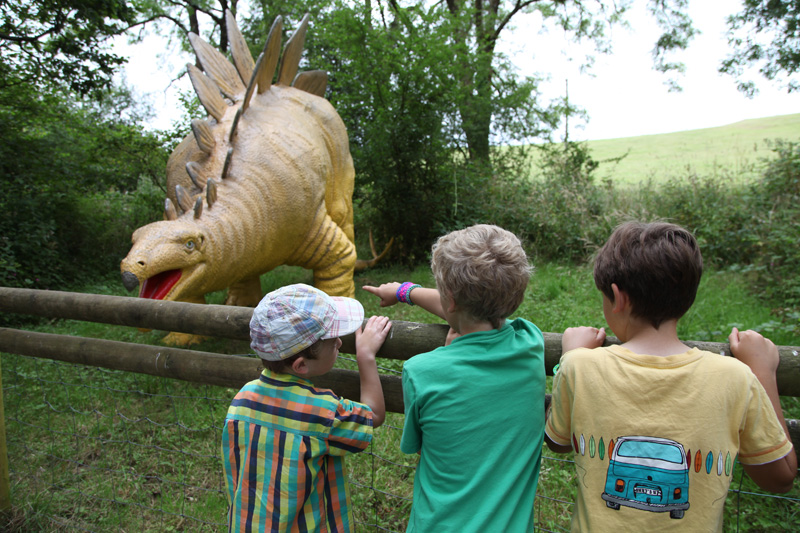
280	366
484	269
657	264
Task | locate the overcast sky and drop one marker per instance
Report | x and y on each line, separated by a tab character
627	98
623	96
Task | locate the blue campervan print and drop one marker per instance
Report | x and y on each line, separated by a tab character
650	474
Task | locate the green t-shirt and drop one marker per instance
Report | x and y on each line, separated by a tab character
475	412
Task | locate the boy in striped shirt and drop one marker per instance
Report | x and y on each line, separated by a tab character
284	440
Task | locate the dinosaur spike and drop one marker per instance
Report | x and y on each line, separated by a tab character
198	207
239	50
184	200
203	136
271	53
291	54
169	210
312	81
248	94
217	68
227	164
195	172
208	92
211	192
235	123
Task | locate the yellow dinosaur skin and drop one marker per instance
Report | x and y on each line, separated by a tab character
285	198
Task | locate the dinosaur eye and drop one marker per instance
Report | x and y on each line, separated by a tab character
189	245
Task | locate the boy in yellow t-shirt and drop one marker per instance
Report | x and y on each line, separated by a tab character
656	425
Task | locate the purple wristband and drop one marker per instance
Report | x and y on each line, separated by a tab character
404	291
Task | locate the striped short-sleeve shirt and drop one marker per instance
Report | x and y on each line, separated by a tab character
283	448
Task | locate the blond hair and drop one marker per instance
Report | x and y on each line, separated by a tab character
484	269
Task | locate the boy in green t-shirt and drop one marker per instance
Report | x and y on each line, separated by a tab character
474	408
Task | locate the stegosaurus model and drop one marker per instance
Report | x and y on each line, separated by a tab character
266	180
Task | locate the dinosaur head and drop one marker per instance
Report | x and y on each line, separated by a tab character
167	261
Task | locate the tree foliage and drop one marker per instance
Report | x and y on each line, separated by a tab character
60	42
392	77
66	172
765	34
71	157
390	88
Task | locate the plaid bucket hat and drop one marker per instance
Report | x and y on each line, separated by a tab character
292	318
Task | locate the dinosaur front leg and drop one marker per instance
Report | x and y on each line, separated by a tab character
177	338
331	255
244	293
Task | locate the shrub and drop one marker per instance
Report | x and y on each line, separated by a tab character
715	209
775	222
561	212
66	167
96	229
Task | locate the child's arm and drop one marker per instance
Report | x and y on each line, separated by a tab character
368	342
451	334
582	337
556	447
761	355
427	299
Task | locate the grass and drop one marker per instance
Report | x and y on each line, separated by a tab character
726	151
102	450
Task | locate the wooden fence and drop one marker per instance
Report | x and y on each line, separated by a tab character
406	340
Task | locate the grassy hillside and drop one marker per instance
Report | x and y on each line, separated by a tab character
725	150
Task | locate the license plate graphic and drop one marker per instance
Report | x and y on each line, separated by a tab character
647	491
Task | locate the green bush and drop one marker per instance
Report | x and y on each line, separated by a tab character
775	222
30	254
753	227
560	213
716	209
68	170
97	228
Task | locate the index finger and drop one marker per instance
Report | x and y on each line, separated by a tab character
734	336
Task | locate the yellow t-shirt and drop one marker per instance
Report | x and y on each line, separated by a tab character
655	438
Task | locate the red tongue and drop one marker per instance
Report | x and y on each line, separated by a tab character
158	286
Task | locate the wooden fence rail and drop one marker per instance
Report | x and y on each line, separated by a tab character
406	339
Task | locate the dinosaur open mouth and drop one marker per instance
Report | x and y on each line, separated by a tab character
158	286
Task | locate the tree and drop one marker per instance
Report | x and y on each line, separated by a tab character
427	99
67	42
390	86
765	34
60	42
177	18
476	26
